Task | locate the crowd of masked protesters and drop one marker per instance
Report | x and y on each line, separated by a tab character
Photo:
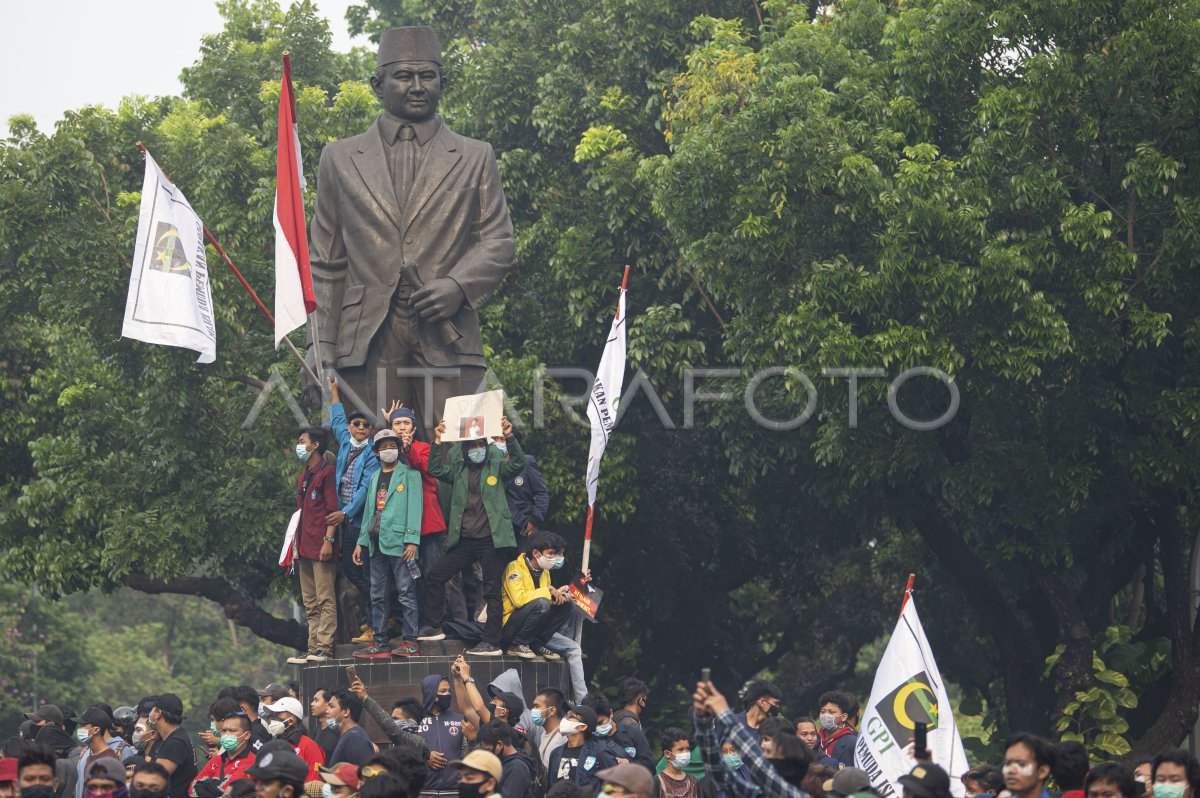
464	740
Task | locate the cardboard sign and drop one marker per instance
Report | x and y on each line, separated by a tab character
474	416
586	597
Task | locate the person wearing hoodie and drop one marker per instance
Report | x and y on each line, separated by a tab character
50	730
442	731
584	754
518	768
479	529
91	730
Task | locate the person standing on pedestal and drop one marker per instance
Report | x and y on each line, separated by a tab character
410	236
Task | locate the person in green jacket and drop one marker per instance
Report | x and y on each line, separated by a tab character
390	534
479	527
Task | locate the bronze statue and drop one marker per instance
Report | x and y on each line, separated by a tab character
410	236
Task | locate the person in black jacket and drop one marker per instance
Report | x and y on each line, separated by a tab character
629	738
518	768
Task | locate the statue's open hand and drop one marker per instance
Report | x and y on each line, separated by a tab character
438	299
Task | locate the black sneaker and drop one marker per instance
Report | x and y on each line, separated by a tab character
520	650
548	654
428	633
484	650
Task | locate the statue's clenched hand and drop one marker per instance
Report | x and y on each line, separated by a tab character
438	299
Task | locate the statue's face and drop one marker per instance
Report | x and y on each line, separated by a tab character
410	89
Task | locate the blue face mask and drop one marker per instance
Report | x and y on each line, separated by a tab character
333	724
538	718
558	562
605	730
477	455
732	761
503	447
357	444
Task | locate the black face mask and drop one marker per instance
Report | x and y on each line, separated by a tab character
443	702
138	792
772	711
291	734
471	790
37	791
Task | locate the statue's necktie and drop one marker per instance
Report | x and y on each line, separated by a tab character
405	164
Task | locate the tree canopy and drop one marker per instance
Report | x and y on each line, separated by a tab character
998	191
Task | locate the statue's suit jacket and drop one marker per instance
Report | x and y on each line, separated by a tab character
454	224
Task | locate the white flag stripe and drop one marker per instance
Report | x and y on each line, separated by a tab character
289	293
170	299
606	396
908	688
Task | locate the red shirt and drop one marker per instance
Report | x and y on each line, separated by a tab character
432	519
316	496
225	770
308	750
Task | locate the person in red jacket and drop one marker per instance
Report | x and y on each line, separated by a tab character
230	764
316	549
289	711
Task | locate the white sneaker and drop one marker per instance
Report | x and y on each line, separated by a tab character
317	656
299	659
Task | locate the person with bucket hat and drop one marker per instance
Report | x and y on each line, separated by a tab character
388	539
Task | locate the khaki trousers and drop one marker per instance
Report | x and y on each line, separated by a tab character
318	588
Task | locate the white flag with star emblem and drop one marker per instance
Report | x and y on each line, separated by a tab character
170	300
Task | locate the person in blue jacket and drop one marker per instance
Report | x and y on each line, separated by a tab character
584	754
356	462
442	731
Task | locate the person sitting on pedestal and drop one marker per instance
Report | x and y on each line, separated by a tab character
533	608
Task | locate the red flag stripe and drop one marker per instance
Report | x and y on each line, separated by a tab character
289	199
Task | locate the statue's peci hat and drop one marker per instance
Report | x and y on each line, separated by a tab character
410	43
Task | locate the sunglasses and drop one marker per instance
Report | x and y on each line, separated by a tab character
358	422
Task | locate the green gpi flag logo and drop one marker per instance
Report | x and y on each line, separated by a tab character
913	702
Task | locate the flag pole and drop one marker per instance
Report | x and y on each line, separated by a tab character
213	240
907	592
591	511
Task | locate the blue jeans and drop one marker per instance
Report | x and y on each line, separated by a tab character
569	650
387	570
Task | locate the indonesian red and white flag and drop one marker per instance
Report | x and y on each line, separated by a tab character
606	396
294	298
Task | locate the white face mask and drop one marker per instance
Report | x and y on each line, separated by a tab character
571	726
545	563
389	456
276	727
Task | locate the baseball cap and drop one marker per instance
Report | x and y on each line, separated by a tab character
511	700
847	781
8	769
273	691
287	704
343	774
483	761
927	780
633	777
169	702
384	435
106	767
588	716
47	713
95	716
283	765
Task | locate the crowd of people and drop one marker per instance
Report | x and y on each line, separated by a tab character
387	560
265	742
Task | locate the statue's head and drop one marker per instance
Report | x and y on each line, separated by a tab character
408	80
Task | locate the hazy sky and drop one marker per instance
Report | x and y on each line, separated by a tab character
56	55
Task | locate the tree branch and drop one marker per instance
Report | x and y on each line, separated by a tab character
239	607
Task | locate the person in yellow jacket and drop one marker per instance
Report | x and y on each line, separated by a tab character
533	608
